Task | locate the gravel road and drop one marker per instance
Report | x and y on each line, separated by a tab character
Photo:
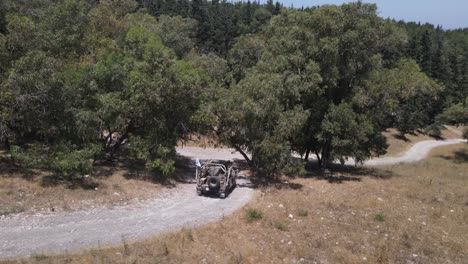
416	153
25	235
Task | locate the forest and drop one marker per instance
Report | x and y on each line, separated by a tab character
89	80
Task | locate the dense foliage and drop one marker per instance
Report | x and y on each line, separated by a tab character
84	80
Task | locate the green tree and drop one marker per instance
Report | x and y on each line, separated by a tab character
178	33
63	26
22	35
245	54
345	133
32	93
456	115
402	96
251	118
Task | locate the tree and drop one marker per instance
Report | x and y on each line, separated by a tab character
251	118
63	26
32	96
215	67
177	33
402	96
3	21
427	53
317	67
345	133
456	115
245	53
21	36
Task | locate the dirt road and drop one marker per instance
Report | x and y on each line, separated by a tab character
22	235
416	153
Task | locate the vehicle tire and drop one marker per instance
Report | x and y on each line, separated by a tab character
213	182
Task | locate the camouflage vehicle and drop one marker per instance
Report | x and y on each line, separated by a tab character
215	177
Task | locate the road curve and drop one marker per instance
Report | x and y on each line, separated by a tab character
416	153
25	235
53	233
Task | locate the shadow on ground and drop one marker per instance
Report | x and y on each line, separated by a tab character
403	137
338	173
460	156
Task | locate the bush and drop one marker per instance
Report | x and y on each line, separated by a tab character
271	158
67	161
433	130
465	133
253	215
32	156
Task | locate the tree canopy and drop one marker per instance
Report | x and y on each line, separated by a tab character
84	80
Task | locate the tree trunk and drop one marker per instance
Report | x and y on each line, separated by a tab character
306	158
7	144
249	161
319	159
326	151
117	144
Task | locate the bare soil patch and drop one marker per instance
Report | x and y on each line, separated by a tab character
31	191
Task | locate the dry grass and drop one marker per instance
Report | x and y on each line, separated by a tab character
398	145
27	191
396	214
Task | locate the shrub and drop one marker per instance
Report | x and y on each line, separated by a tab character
32	156
271	158
68	160
253	215
433	130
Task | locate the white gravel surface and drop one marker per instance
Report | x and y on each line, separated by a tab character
25	235
416	153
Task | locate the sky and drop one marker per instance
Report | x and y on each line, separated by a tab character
450	14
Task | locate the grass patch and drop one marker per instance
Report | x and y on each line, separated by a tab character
303	212
252	215
281	226
190	235
11	210
379	217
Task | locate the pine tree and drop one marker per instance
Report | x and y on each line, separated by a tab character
169	7
426	53
155	7
247	13
277	10
270	6
441	67
183	8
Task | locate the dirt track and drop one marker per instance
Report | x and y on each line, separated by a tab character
54	233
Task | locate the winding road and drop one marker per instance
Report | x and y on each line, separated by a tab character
26	235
